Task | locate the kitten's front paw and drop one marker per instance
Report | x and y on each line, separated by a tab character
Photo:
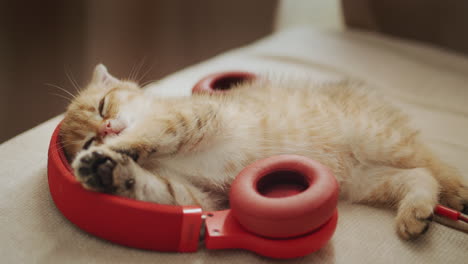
412	222
104	170
137	153
133	154
94	169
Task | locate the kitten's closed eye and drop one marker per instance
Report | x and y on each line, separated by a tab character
101	106
88	143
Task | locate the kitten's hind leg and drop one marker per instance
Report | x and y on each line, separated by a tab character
410	153
413	191
454	188
399	146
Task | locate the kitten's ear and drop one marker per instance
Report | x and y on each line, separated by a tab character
102	76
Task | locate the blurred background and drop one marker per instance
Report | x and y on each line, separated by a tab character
44	41
57	43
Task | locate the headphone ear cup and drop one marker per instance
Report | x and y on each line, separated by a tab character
284	196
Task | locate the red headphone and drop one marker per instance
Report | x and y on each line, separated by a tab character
281	207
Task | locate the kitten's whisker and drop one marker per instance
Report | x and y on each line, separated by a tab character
134	70
149	81
145	73
131	71
62	96
61	89
63	145
68	143
73	81
139	67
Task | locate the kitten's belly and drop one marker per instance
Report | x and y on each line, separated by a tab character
215	168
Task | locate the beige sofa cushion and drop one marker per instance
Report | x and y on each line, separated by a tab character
430	84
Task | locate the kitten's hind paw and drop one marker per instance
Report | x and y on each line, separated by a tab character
412	222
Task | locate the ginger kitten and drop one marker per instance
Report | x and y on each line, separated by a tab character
187	150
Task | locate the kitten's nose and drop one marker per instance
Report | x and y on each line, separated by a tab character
111	127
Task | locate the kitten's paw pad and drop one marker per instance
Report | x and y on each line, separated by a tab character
95	170
129	183
413	222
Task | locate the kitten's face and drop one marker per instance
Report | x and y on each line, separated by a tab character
97	113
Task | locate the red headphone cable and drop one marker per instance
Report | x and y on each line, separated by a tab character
450	213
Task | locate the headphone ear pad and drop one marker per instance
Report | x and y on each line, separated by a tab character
222	81
284	196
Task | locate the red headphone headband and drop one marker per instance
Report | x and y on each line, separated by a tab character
124	221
